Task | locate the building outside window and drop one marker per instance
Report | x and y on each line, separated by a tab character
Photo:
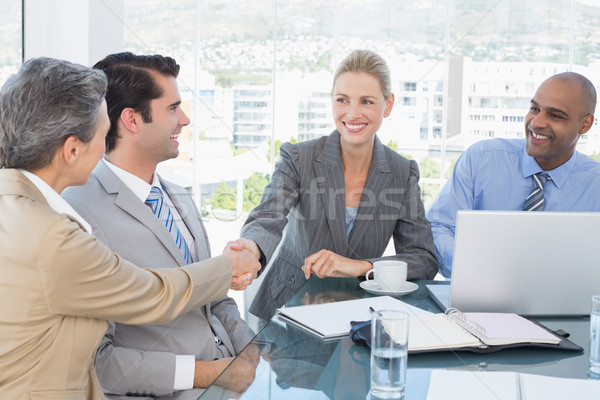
257	74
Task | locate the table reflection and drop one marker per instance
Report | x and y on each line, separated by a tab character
286	362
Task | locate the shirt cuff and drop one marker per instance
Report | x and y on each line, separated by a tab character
185	366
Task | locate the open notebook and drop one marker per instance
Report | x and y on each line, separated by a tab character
477	332
332	320
482	332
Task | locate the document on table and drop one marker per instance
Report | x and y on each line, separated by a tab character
455	330
482	385
332	320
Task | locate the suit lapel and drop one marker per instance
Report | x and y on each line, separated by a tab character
330	179
377	180
187	210
128	202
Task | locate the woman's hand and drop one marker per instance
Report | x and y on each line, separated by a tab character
326	263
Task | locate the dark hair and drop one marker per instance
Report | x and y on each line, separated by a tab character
131	85
43	104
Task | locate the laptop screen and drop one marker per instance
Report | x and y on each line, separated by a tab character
529	263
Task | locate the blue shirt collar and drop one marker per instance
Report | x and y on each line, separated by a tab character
559	175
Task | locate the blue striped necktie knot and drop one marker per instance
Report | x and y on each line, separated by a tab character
535	200
162	211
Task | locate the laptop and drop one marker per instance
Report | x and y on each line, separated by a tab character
529	263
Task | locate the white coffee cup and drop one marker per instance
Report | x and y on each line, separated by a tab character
389	275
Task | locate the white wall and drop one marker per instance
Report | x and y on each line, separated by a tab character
81	31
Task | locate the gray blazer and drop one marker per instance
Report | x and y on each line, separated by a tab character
141	359
306	197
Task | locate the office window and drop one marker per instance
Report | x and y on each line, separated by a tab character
257	74
410	86
409	101
11	39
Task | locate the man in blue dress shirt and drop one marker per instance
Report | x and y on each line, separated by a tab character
497	174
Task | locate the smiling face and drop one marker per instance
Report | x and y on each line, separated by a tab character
159	138
358	107
555	121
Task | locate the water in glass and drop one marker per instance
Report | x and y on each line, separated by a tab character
388	373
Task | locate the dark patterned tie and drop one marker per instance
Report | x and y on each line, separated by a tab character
535	200
163	212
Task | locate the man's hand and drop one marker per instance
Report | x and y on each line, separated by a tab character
326	263
240	374
244	264
238	377
207	371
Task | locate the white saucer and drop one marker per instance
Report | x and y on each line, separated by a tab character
373	288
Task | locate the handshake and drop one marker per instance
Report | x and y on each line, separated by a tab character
243	255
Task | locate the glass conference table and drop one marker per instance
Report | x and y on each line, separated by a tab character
295	364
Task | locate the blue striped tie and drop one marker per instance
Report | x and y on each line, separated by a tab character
163	212
535	200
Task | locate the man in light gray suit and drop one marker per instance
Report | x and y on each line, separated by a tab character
146	120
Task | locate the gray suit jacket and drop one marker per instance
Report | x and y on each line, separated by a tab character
141	359
306	197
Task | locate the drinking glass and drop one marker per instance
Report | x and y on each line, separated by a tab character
389	350
594	366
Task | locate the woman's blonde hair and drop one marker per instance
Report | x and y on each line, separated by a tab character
370	63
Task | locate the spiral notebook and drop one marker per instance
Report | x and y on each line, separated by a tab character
478	332
454	329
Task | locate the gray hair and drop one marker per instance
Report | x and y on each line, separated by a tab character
370	63
43	104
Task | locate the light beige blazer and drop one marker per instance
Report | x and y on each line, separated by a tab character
59	285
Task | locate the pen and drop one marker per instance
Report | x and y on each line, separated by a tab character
519	386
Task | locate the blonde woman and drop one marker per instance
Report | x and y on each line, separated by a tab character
341	197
